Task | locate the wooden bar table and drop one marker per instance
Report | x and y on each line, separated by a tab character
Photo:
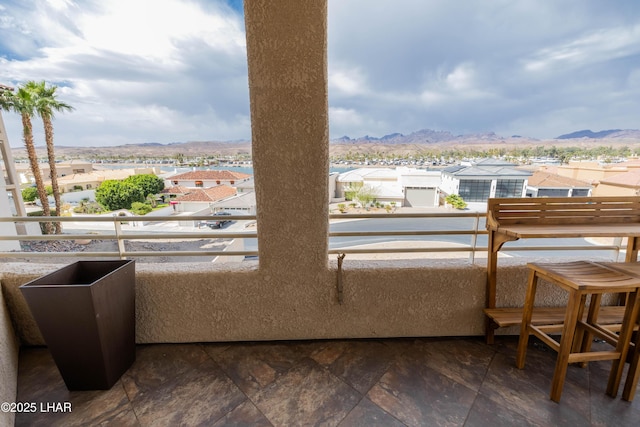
510	219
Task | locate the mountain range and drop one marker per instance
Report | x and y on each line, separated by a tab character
425	139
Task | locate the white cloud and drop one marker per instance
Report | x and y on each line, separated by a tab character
175	70
348	82
146	70
599	46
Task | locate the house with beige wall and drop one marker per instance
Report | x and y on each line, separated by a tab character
620	179
589	171
547	184
91	180
71	167
622	184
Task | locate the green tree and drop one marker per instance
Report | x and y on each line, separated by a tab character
46	104
23	102
149	184
113	194
29	194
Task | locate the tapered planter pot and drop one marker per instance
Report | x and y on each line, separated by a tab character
86	313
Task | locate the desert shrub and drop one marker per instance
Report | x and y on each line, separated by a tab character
140	208
456	201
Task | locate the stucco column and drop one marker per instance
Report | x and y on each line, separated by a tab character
286	50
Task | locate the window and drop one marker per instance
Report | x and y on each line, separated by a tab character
553	192
509	187
199	184
174	182
475	190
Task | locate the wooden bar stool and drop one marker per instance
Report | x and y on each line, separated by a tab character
631	383
580	279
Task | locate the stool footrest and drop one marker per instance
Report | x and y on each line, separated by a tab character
609	315
544	337
593	356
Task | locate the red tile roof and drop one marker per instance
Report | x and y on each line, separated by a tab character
210	194
176	189
211	175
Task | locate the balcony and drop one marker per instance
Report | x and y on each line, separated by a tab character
311	338
198	362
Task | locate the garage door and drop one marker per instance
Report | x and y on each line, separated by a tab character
419	197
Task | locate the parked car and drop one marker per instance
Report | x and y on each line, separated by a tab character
217	223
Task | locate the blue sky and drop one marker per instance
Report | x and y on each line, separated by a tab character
175	70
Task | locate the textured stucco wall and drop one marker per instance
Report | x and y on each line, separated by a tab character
199	302
8	362
286	53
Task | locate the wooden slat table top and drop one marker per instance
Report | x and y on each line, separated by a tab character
570	230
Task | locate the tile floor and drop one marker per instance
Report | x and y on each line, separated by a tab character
395	382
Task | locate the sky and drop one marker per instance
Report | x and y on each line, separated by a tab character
166	71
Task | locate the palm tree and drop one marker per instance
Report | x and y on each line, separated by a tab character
45	105
23	103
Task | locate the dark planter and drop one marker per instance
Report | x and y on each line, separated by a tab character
86	313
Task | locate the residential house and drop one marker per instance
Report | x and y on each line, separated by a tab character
547	184
421	188
63	169
402	186
241	203
246	186
197	200
590	171
91	180
620	179
207	178
480	180
622	184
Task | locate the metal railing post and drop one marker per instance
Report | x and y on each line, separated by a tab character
474	238
617	241
118	227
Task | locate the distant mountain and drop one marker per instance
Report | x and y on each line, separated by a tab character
611	133
397	143
428	136
424	136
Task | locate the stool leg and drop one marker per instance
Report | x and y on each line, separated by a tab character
581	334
592	318
624	339
631	383
566	343
526	319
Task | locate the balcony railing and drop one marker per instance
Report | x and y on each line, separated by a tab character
130	228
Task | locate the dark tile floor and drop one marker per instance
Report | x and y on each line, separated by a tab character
396	382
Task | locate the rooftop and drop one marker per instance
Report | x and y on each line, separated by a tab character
211	174
210	194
